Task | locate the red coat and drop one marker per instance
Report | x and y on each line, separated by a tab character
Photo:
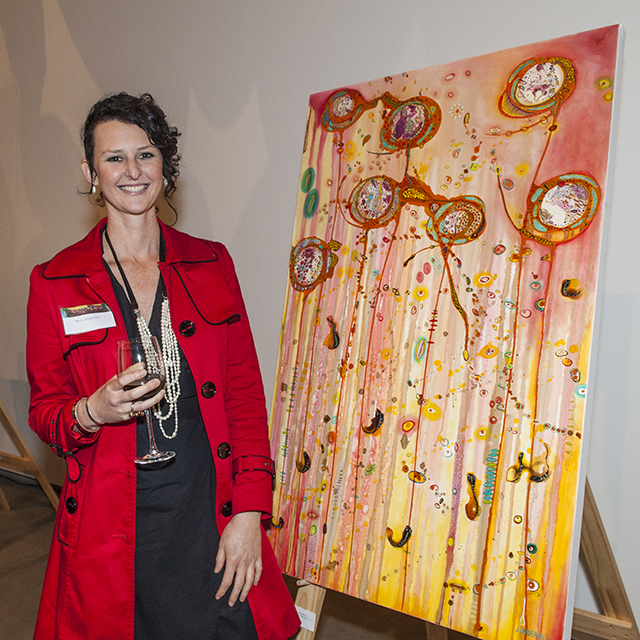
89	584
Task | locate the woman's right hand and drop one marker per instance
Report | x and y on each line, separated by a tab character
112	403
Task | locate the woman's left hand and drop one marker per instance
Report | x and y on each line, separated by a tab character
240	553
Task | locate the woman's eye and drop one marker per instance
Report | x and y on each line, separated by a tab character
147	154
114	158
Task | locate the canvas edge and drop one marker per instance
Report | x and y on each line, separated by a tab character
593	364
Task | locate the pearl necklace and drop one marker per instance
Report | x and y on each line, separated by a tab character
171	355
170	350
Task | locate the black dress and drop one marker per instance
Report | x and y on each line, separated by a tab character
176	533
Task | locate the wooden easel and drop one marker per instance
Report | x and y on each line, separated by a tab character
617	623
24	464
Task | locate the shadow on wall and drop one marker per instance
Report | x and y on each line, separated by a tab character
612	428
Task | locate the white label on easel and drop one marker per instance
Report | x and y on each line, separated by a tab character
307	619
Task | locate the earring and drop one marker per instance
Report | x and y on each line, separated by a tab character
93	188
166	183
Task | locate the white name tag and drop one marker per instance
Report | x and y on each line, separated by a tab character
86	317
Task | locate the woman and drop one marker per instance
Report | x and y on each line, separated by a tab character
171	552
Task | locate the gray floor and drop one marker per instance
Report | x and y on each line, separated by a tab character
25	535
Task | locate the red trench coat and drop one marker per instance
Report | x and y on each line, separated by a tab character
89	584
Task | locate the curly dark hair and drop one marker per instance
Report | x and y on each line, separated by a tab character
144	113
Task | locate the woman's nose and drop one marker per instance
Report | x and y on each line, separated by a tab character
132	169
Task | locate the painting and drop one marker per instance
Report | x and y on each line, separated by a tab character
429	408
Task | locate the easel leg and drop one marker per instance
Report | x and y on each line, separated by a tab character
24	463
436	632
618	621
309	600
4	503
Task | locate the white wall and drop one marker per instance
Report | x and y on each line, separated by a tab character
235	76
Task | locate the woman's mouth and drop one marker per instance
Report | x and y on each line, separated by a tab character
133	188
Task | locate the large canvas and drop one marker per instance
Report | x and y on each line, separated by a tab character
429	410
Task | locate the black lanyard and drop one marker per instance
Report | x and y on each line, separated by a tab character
127	286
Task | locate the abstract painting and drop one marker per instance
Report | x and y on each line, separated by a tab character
429	409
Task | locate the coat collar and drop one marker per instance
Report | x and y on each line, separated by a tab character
84	258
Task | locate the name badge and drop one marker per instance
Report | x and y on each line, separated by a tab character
86	317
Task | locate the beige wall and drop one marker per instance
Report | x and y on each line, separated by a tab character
235	77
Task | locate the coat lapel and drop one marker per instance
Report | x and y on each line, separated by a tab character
195	267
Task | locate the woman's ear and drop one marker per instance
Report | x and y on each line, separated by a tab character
86	170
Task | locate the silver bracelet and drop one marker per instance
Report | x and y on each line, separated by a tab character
86	408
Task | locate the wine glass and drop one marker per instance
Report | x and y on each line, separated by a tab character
147	351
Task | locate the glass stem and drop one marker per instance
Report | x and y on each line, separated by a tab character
152	438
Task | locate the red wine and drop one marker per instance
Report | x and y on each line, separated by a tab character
139	383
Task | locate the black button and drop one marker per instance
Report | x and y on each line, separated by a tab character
187	328
208	389
227	509
71	505
224	450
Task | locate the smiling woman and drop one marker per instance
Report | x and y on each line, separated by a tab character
153	552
